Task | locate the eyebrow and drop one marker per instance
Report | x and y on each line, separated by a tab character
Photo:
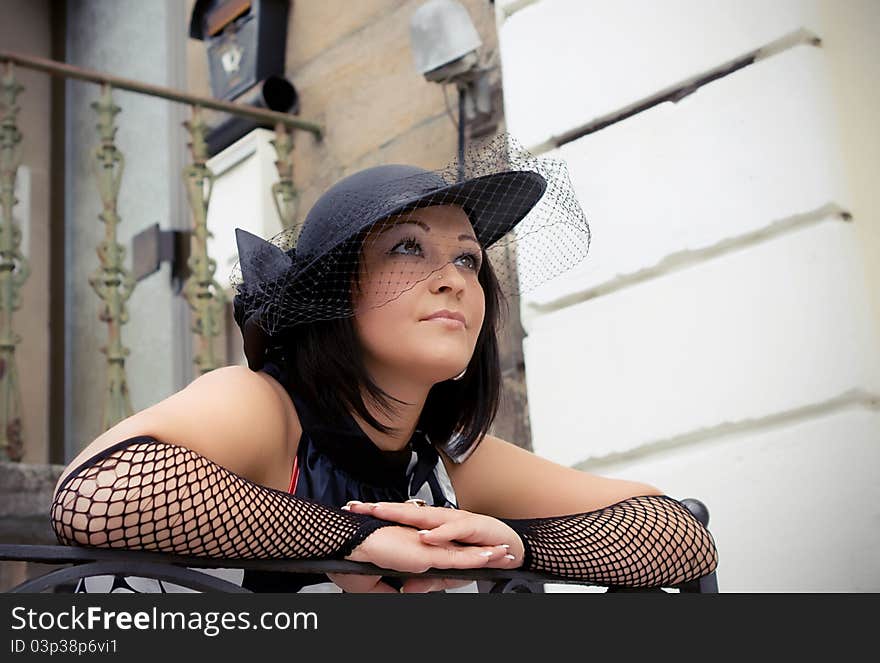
426	228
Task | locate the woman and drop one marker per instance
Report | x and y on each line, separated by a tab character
359	430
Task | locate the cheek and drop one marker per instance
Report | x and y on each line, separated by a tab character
380	329
479	312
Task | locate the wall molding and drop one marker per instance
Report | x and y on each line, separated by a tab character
687	258
678	91
851	399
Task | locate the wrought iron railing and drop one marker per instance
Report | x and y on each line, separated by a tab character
78	563
112	282
188	572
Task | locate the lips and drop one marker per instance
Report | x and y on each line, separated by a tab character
445	313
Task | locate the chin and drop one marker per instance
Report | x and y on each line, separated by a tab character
435	373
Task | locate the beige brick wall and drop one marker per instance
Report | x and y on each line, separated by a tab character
352	67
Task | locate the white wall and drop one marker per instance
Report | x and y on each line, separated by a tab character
241	198
719	342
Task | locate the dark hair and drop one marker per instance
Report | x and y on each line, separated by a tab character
324	363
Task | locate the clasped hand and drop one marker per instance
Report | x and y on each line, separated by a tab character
429	537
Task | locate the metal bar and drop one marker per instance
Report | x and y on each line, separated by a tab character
505	580
283	192
111	280
49	554
204	294
70	71
14	269
196	580
708	584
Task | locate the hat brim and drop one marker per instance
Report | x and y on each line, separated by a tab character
494	203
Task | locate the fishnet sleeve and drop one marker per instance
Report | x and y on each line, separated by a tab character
646	541
144	494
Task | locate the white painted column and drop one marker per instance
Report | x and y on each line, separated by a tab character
719	341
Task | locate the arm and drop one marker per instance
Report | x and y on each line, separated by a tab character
502	480
577	525
183	477
231	416
144	494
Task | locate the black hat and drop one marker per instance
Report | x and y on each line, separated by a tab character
520	208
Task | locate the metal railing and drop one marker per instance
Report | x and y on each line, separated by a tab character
187	571
80	563
112	282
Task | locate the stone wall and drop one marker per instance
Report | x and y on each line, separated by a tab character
25	496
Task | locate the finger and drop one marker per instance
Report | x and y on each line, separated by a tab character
466	531
421	585
505	561
421	517
496	557
463	531
354	583
464	557
360	584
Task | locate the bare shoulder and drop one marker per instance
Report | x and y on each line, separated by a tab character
238	418
503	480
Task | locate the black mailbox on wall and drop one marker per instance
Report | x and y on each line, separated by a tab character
246	40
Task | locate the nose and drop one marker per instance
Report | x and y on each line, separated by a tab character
447	278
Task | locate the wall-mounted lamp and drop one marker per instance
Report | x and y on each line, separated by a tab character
444	45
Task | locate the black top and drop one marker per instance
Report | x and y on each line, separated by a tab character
338	462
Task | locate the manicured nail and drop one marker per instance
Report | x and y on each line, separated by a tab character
509	557
345	508
350	502
487	553
424	531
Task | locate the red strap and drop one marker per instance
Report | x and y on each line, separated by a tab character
294	476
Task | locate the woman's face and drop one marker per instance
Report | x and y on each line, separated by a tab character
413	266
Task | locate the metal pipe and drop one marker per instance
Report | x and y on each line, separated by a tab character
70	71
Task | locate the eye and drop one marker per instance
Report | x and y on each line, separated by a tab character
408	245
473	261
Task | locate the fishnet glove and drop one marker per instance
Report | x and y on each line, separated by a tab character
647	541
143	494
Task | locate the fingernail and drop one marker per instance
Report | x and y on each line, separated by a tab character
345	508
354	502
487	553
424	531
506	546
509	557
